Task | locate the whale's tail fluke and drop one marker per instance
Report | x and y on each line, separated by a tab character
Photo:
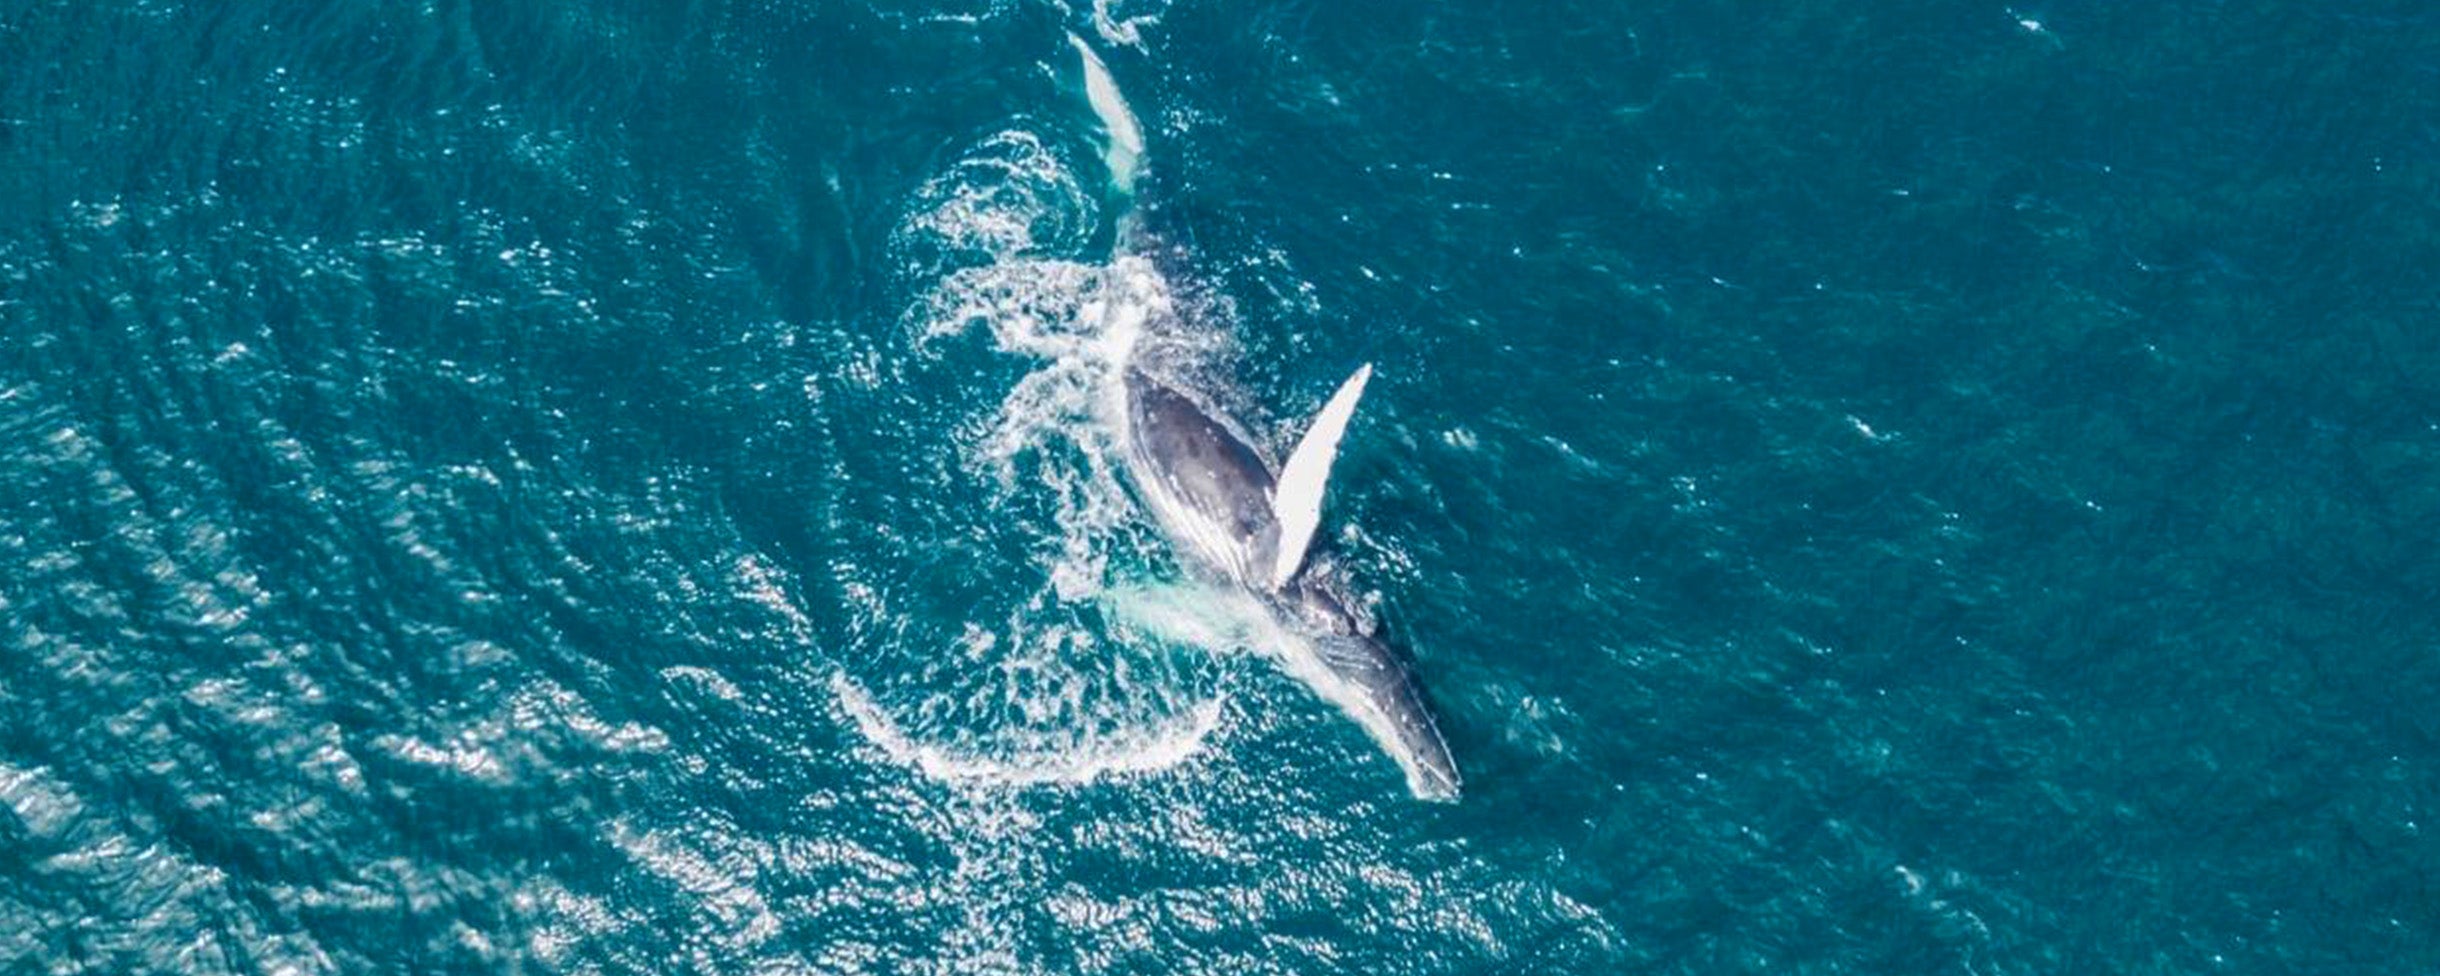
1125	147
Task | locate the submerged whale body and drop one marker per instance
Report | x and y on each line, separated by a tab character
1220	503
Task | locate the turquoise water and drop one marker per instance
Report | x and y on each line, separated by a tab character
625	487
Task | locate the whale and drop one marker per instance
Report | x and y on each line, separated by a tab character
1236	521
1231	517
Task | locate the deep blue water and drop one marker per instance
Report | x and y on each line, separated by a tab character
605	487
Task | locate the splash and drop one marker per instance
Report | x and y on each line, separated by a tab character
1050	437
1123	22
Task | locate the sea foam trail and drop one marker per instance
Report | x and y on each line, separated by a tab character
1077	756
1022	471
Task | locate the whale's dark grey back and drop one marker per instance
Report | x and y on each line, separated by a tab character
1202	463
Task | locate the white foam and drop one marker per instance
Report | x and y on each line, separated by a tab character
1128	29
1032	691
1054	434
1011	195
1068	756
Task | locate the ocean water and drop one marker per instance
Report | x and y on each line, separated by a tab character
627	487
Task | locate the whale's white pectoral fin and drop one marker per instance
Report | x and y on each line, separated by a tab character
1296	500
1126	140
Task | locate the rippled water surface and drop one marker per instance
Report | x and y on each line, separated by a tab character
633	487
